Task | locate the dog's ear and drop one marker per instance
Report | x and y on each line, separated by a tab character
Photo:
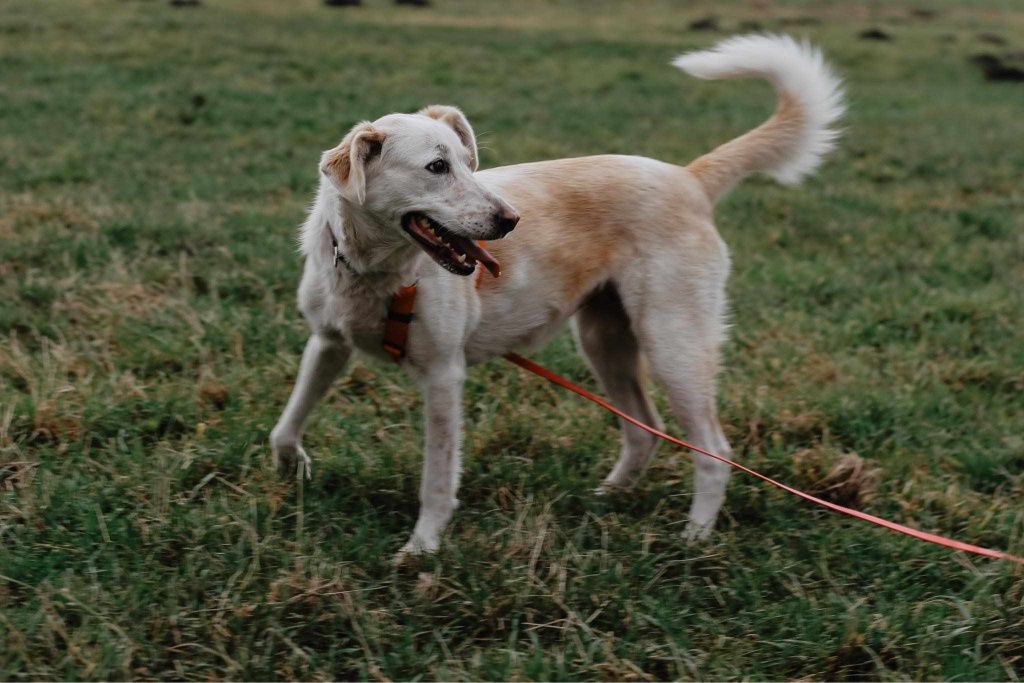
458	122
345	165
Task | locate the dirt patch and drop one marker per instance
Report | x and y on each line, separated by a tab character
841	477
709	23
999	68
991	38
874	34
214	394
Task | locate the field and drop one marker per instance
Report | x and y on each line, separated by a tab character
154	164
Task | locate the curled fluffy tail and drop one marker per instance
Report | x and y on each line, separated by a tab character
790	144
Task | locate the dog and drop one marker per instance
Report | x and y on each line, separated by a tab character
622	247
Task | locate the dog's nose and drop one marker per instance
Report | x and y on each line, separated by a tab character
505	220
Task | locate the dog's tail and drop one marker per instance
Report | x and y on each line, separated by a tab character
790	144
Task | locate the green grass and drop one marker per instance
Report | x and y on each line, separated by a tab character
154	163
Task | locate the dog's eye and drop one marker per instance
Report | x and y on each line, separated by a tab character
438	166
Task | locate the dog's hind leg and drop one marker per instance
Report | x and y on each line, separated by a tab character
603	335
682	343
322	360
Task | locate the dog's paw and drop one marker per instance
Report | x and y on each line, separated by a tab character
416	547
291	460
611	487
694	532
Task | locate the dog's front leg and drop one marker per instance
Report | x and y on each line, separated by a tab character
322	360
442	390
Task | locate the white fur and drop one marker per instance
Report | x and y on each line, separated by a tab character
794	68
624	247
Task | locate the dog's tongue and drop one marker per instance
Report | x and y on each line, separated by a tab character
477	251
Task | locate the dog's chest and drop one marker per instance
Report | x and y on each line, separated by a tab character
363	327
356	314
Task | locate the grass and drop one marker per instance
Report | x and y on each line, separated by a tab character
154	163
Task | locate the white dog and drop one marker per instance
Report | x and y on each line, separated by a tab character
623	246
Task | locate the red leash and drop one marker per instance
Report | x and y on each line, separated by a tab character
893	526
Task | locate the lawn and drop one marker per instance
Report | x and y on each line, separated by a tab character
154	165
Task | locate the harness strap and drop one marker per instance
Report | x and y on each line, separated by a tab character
396	325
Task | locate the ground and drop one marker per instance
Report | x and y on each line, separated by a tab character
154	164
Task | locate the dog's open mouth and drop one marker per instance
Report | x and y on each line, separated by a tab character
453	253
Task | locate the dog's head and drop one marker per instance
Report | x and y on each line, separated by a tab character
414	173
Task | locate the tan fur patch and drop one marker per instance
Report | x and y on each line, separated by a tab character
587	217
761	147
338	161
569	231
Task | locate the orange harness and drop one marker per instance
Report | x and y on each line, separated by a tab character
396	325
